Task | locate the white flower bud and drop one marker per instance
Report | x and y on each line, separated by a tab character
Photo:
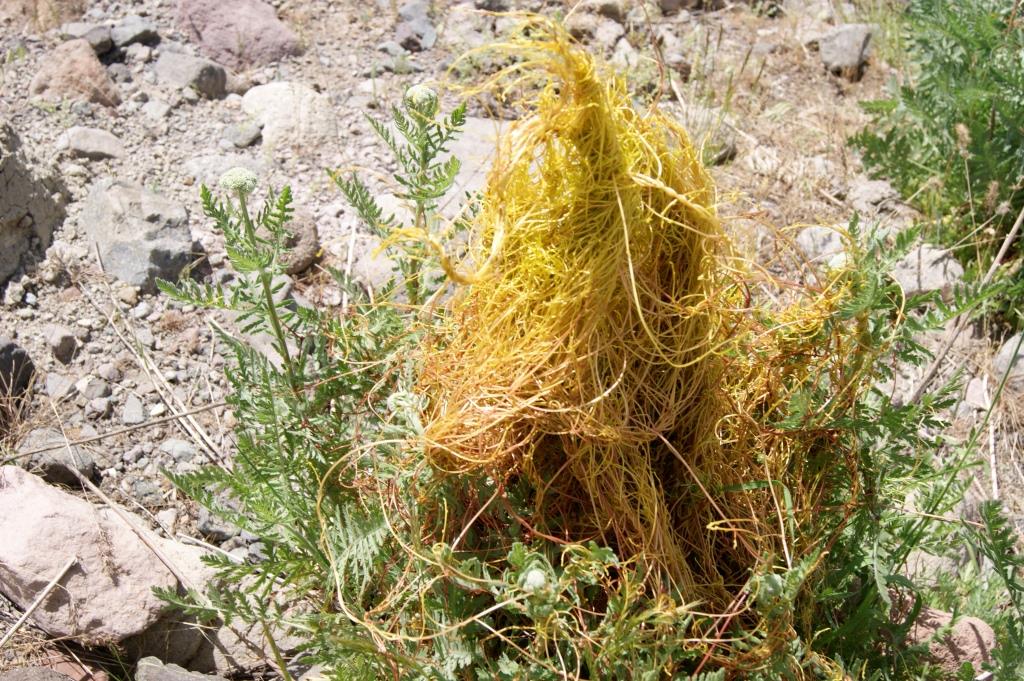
534	581
422	100
239	181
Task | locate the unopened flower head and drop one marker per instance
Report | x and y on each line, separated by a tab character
240	181
422	100
534	580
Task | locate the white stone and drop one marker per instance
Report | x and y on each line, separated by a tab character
608	32
91	143
179	450
926	269
156	109
292	114
1010	358
476	147
820	243
845	48
168	519
977	395
133	412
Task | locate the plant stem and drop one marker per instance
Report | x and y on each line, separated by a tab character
243	207
266	280
275	322
413	282
282	666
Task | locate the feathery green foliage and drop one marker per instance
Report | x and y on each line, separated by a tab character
950	136
423	176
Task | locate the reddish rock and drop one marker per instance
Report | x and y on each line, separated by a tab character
72	71
39	15
238	33
971	640
70	668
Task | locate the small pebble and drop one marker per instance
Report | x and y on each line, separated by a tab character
98	408
168	519
128	295
146	338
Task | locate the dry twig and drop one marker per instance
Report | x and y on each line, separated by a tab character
38	601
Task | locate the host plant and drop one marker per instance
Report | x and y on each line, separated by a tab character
386	565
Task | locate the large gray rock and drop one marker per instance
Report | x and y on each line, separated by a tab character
1010	360
91	143
141	235
871	197
476	147
181	71
133	29
72	71
97	35
239	33
16	368
31	205
927	269
107	596
152	669
55	465
227	652
204	649
37	15
244	134
292	114
844	50
416	35
176	639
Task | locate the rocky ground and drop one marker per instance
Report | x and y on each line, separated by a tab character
112	113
